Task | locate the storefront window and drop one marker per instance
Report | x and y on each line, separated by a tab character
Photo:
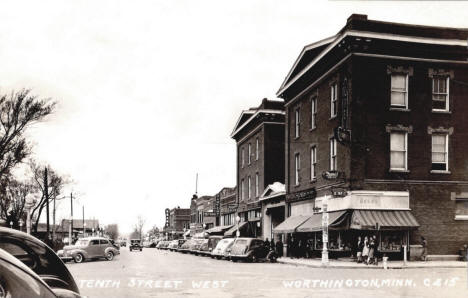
391	241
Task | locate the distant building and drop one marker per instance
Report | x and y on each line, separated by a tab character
179	222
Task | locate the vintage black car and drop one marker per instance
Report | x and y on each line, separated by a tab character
29	268
249	249
135	244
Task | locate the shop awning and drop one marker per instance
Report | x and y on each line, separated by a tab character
290	224
232	231
218	229
314	223
386	219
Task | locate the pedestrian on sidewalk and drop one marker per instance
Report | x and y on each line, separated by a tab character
279	247
370	257
365	249
360	247
424	249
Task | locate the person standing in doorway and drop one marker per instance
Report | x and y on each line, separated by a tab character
359	247
279	247
424	249
365	249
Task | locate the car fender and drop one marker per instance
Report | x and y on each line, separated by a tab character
113	250
81	251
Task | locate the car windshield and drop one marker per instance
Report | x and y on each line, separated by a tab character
82	242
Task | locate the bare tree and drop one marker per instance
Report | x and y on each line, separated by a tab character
18	111
55	185
139	225
112	231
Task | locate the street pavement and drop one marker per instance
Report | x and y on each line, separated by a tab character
159	273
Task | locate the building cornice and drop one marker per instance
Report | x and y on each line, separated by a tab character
376	35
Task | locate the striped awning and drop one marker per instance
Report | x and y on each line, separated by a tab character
232	231
218	229
386	219
290	224
314	223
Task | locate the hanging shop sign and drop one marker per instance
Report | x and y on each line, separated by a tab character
300	196
210	214
332	175
339	192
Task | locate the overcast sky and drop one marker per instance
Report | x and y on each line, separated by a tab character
149	91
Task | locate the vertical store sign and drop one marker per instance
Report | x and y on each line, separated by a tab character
167	217
217	205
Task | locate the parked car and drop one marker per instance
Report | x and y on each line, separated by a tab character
135	244
220	251
89	248
249	249
160	244
213	241
195	246
184	248
203	248
173	245
29	268
181	242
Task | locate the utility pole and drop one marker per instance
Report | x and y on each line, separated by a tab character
53	219
46	190
84	226
196	184
70	236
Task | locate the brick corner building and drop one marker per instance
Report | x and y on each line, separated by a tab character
376	130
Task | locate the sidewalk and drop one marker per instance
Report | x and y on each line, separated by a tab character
348	264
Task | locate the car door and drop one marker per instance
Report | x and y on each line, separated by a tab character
93	248
103	245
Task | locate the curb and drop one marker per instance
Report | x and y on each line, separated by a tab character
370	266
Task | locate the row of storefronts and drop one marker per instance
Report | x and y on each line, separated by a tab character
337	160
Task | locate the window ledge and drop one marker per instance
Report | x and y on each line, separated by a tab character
333	117
313	180
313	128
297	138
461	217
441	112
297	185
398	171
440	172
398	109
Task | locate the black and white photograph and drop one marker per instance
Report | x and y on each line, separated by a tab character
233	149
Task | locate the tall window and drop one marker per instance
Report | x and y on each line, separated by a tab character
249	190
250	153
242	157
333	100
242	190
256	149
298	122
440	152
297	159
399	93
313	163
313	112
398	151
440	93
333	158
256	185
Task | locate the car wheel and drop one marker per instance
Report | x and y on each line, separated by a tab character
130	249
109	256
253	259
78	258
